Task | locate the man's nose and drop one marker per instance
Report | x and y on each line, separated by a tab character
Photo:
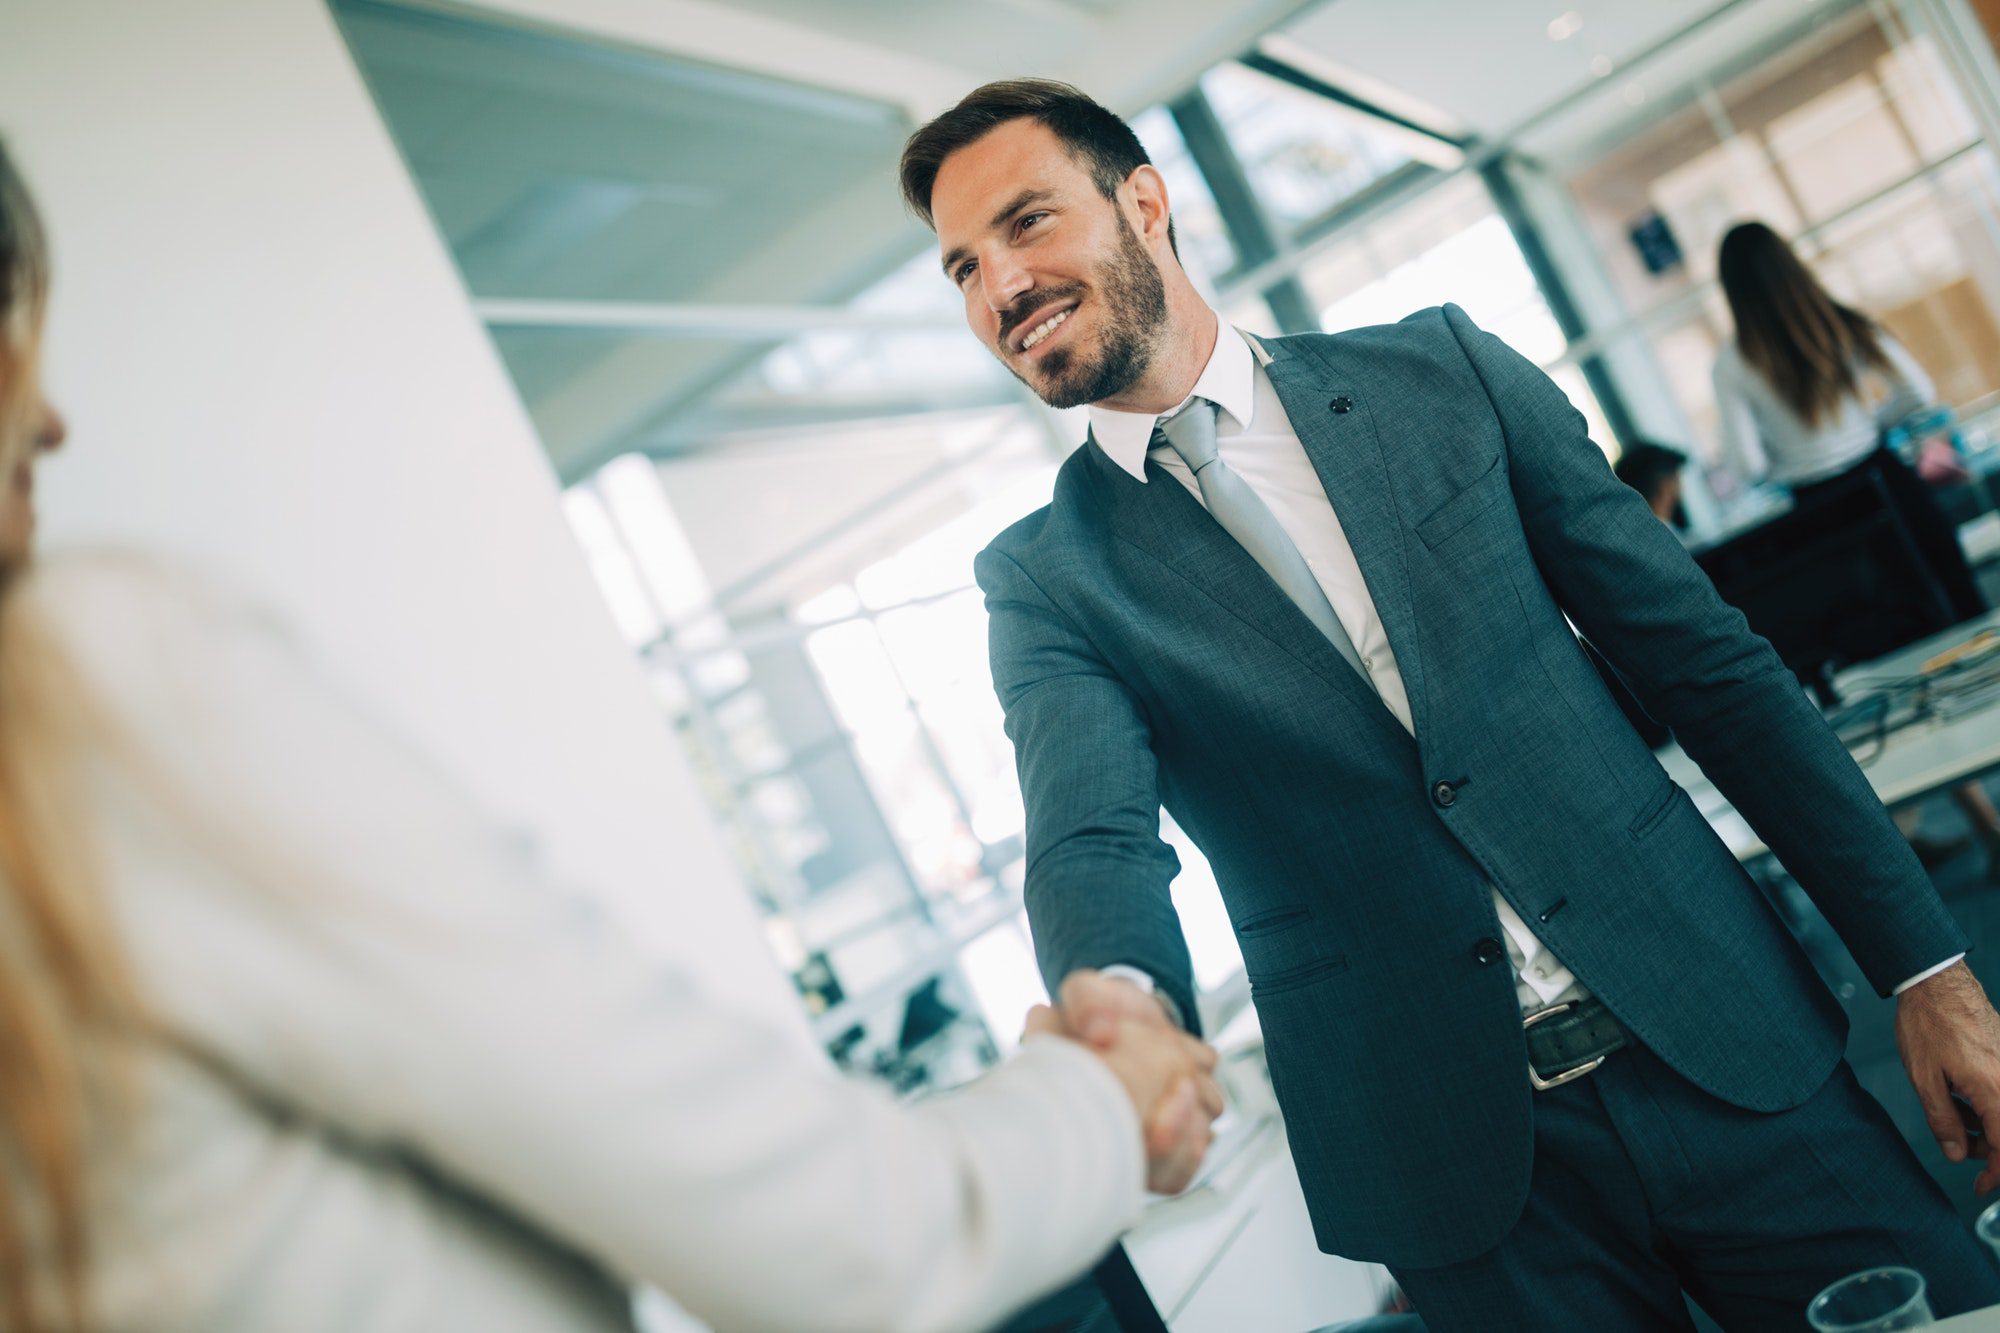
1005	285
50	428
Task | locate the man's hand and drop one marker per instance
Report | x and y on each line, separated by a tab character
1093	1003
1168	1074
1950	1040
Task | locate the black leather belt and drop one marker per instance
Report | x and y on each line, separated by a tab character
1568	1040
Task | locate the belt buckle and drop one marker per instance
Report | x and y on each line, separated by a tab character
1568	1075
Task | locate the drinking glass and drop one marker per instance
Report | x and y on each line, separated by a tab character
1876	1301
1988	1227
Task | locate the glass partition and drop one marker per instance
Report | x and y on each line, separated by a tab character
1448	245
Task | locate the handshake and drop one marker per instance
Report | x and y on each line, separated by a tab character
1169	1075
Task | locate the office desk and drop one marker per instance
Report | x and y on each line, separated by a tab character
1915	761
1978	1321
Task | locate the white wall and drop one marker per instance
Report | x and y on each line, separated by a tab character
271	370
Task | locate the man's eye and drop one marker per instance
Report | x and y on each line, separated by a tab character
1030	218
964	271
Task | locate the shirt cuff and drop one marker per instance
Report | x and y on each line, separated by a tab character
1924	975
1144	981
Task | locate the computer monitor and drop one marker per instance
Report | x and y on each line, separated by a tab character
1836	581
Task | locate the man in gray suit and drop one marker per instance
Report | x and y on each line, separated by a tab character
1542	1047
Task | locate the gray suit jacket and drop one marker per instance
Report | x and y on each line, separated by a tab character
1144	659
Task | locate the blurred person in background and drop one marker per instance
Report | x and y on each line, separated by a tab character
1808	389
1654	471
1806	394
292	1036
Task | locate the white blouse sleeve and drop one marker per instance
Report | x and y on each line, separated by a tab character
1910	389
381	959
1742	450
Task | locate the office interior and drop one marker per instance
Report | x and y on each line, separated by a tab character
668	343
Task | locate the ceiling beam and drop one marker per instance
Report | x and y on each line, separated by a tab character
802	425
752	323
737	37
841	246
1287	72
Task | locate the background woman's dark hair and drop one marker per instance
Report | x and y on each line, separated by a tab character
1804	343
1101	143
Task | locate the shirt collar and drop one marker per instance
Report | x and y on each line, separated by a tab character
1229	380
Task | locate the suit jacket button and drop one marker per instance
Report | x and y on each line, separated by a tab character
1488	952
1342	404
1444	794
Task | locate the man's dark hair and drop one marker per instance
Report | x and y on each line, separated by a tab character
1644	466
1097	140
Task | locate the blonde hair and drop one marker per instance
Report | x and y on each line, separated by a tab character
65	993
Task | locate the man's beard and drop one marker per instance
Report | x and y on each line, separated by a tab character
1132	306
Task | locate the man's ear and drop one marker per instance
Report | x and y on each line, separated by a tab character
1145	192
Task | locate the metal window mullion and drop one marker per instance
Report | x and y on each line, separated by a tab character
1285	72
1968	54
1243	217
1555	291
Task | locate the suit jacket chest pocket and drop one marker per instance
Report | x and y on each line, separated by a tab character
1452	517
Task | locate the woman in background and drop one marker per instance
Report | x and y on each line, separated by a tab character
1805	394
1808	388
292	1037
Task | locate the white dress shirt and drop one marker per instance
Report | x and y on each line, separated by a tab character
398	1081
1763	437
1255	438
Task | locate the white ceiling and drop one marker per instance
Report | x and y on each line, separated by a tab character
927	53
992	35
743	153
686	151
1486	65
1487	68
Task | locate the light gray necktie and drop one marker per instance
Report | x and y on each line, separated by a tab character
1232	503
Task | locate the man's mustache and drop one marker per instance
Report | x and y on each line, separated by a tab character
1043	300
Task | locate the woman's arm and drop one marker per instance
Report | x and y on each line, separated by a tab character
1736	426
374	954
1910	389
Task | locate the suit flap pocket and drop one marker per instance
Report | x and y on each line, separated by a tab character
1280	945
1462	508
1266	984
1655	812
1276	919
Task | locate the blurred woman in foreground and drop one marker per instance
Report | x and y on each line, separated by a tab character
292	1037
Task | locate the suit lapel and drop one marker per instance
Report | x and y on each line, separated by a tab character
1335	423
1162	519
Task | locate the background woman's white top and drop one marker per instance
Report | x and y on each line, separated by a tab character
404	1083
1763	438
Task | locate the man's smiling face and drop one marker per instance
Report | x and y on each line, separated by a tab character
1055	281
